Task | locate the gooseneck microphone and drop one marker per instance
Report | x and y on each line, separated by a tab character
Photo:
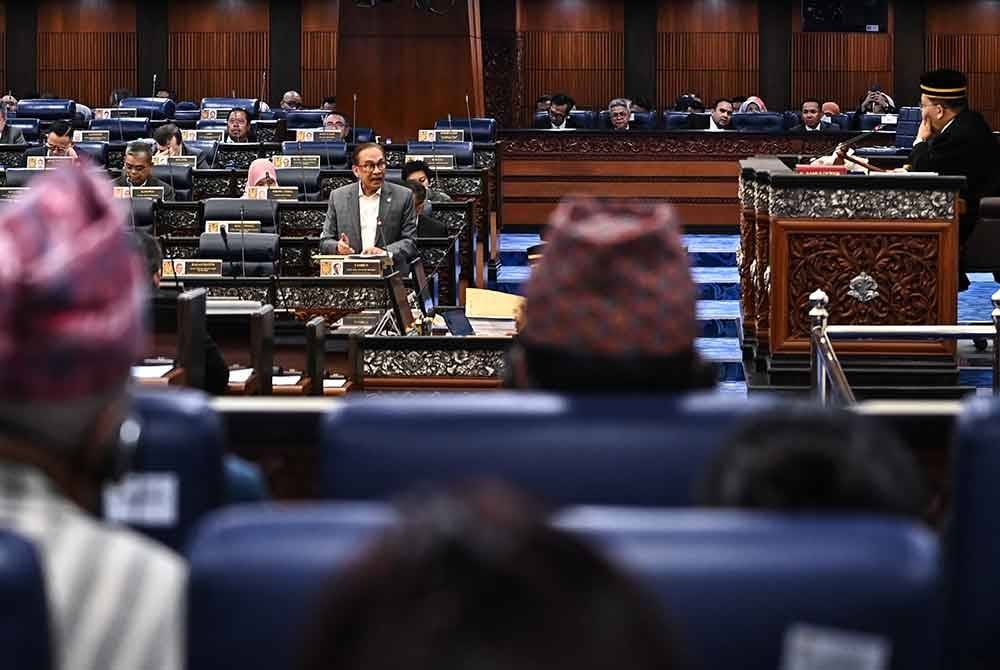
154	85
354	121
468	115
224	234
243	240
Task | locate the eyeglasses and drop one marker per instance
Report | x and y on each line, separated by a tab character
369	166
929	104
57	150
132	167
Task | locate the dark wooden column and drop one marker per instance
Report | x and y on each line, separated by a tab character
776	53
640	48
909	37
286	49
22	48
151	35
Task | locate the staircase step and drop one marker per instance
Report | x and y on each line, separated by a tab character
718	318
717	283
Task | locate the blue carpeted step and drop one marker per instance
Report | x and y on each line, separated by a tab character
717	283
974	304
703	250
981	378
725	354
514	248
718	318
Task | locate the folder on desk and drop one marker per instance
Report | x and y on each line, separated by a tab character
485	304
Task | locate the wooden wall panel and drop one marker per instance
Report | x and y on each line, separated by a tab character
320	23
408	67
86	49
711	49
218	48
572	47
965	35
841	66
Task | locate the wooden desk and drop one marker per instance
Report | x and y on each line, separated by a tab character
695	171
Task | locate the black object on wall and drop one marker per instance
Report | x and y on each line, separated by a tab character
775	45
640	49
286	49
909	38
22	48
151	42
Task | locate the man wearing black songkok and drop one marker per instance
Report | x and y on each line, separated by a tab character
954	140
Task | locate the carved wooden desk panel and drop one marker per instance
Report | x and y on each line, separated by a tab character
883	248
697	172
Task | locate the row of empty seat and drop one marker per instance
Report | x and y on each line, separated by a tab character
771	122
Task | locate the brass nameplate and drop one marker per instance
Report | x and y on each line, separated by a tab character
192	267
310	162
13	192
441	135
318	136
216	135
36	162
232	226
186	161
115	112
283	193
368	318
362	267
434	161
47	162
152	192
215	113
91	135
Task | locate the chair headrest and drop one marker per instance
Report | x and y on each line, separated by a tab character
230	209
123	129
251	105
186	105
300	177
97	151
305	118
153	108
187	114
260	247
210	124
178	176
462	151
47	110
331	153
759	122
674	120
139	212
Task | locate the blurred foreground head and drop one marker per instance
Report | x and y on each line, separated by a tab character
611	305
480	583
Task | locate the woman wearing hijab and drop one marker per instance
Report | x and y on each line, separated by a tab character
752	104
261	173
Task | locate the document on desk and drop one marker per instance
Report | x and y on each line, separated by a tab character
484	304
334	383
241	376
285	380
494	327
150	371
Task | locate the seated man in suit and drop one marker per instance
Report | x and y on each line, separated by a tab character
329	104
9	103
337	121
137	169
427	226
170	142
420	172
8	133
373	216
721	117
237	126
559	119
812	120
618	113
58	142
291	100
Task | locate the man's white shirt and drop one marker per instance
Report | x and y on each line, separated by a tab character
368	208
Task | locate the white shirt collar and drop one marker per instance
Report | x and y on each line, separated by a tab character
361	193
562	126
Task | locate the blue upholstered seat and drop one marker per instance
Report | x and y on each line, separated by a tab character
249	254
181	448
331	154
24	616
123	129
236	209
155	109
28	127
619	450
96	151
462	151
907	125
180	178
47	110
758	122
251	105
638	120
483	129
675	120
304	179
210	124
305	118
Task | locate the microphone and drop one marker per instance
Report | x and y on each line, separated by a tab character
848	143
224	234
354	120
449	121
131	208
154	84
468	115
215	155
302	174
243	241
263	83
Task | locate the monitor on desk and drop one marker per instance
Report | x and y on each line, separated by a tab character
422	288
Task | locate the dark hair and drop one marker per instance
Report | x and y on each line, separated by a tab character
331	99
240	110
543	98
119	94
482	581
818	103
644	102
415	166
139	149
60	128
715	103
561	99
419	192
163	134
560	370
361	147
150	249
811	458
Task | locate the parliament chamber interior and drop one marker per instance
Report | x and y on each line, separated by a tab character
499	334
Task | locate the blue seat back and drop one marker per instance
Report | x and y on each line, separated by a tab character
123	129
29	127
236	209
304	118
331	154
205	149
462	151
96	151
180	178
210	124
907	125
187	106
17	177
250	254
790	119
974	539
181	450
304	179
187	115
584	118
758	122
256	572
24	617
483	129
47	110
251	105
842	120
360	135
870	121
736	582
587	449
676	120
637	120
155	109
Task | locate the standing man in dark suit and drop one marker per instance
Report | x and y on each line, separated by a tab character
373	216
954	140
559	117
8	133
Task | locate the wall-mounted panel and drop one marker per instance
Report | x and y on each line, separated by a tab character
710	49
218	48
86	49
965	35
320	22
841	66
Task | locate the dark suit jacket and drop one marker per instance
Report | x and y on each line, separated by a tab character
202	163
168	191
399	222
702	122
823	128
545	124
165	319
12	135
967	148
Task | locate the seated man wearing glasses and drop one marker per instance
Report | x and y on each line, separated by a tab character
58	142
137	169
372	216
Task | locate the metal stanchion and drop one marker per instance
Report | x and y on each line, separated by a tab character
995	298
818	316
